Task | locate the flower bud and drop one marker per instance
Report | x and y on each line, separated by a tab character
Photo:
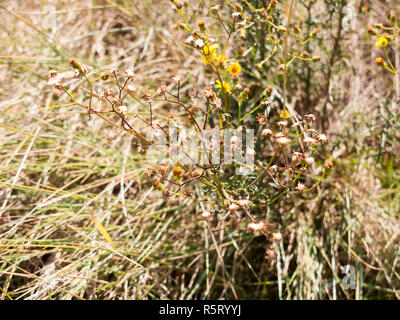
316	58
214	9
379	61
105	76
206	215
296	28
202	25
329	165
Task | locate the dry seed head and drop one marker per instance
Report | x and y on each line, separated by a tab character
156	184
112	134
149	172
282	124
233	207
209	93
146	97
123	109
238	87
241	24
296	156
214	9
283	141
312	131
206	215
108	92
256	226
301	187
178	4
322	138
130	74
131	89
314	32
277	236
236	15
308	141
56	94
178	78
196	173
105	76
238	6
199	44
142	149
187	193
265	103
64	76
309	117
51	74
296	124
262	118
189	41
270	254
266	133
217	103
273	168
115	101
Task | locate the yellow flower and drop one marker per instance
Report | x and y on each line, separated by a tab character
177	172
381	42
284	114
210	53
225	86
234	69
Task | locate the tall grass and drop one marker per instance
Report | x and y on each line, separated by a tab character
80	217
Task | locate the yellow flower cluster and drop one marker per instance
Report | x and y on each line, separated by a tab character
211	56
